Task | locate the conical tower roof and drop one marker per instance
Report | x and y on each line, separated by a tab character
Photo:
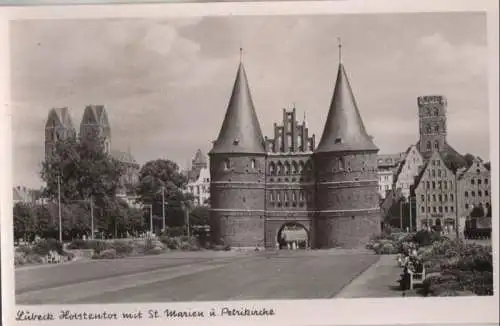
240	132
344	128
199	158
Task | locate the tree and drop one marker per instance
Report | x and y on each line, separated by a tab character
469	158
24	221
477	211
86	171
163	174
200	215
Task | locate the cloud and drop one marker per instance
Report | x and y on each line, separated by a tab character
166	83
466	59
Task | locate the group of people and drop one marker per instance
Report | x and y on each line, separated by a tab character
411	264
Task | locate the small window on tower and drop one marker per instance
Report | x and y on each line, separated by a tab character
252	164
338	140
227	164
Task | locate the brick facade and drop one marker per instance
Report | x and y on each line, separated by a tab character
432	123
258	190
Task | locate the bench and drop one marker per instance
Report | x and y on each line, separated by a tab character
416	278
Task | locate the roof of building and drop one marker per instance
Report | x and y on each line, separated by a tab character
240	132
344	129
61	116
465	169
199	158
124	157
388	160
96	114
452	159
23	194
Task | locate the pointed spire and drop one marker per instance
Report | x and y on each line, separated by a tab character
339	40
344	128
240	132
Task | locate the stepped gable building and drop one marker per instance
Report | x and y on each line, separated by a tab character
260	186
408	170
474	193
59	126
435	187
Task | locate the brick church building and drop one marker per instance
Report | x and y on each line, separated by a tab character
261	186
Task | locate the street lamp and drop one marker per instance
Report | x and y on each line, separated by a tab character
186	205
59	206
150	216
163	206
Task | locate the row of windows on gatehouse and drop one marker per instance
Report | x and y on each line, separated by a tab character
287	168
295	198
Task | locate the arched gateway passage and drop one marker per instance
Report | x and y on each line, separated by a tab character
293	235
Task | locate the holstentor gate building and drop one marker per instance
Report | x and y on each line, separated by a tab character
259	185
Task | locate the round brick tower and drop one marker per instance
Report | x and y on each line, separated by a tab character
237	172
345	164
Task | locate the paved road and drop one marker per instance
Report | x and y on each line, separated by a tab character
194	276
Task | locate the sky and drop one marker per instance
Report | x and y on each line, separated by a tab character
166	82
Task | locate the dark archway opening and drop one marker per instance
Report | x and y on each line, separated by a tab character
293	235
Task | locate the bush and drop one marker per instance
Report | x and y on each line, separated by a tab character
43	247
153	251
106	254
123	248
463	267
175	232
170	242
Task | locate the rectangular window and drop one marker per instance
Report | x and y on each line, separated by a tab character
434	209
446	209
451	209
485	181
440	209
422	197
486	193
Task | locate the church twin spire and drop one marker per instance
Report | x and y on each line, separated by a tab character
344	129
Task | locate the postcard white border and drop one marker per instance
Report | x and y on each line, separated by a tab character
467	310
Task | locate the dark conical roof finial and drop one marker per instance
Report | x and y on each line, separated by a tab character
344	128
241	55
240	132
339	41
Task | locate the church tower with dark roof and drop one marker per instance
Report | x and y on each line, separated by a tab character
95	123
59	126
345	165
237	172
